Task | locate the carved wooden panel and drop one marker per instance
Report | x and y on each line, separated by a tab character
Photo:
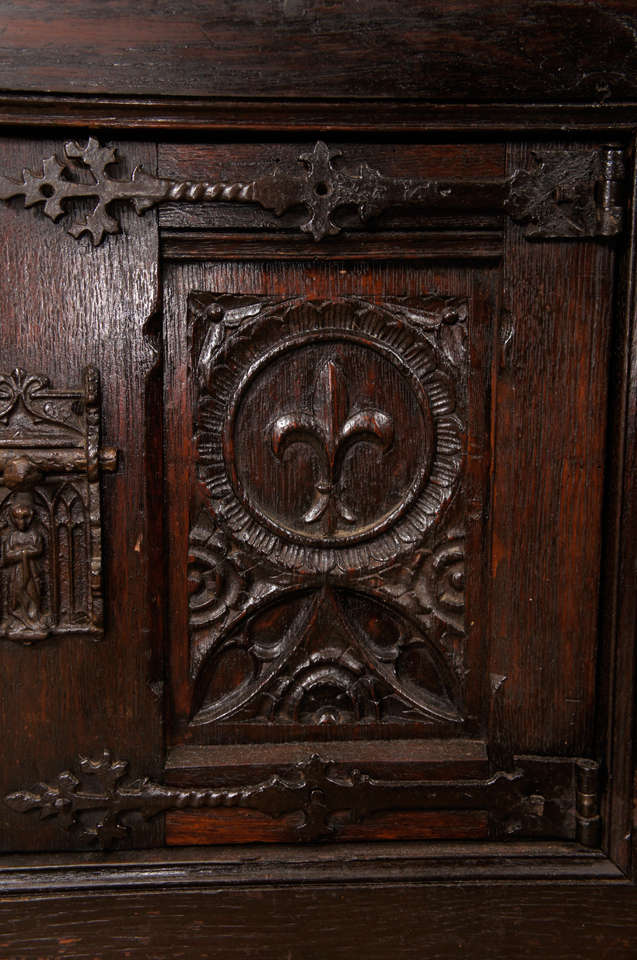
50	525
326	553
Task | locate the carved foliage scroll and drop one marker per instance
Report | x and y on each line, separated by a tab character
326	545
50	525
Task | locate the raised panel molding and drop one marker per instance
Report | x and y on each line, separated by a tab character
50	520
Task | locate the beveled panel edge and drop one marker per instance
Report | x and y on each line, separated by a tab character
209	245
274	864
424	750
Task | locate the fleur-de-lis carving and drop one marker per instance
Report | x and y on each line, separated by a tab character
331	433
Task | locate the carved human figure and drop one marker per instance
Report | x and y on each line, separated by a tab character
22	547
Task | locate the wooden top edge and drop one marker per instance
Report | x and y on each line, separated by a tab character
302	115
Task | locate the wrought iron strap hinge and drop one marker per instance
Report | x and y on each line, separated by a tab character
536	799
570	193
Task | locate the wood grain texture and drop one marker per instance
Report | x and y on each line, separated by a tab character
434	51
428	759
331	443
552	434
572	351
181	244
618	625
245	826
550	414
407	921
64	305
100	112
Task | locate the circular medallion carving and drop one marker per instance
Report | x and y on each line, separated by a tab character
349	450
327	434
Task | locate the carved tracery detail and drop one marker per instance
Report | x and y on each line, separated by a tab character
50	527
330	656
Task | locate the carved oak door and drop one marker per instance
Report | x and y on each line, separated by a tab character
318	460
371	462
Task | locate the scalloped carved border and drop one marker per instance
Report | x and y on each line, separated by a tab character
246	332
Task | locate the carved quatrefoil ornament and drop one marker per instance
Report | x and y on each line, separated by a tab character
329	435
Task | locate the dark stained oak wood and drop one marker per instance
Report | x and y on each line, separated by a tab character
66	306
390	759
550	422
443	921
316	281
455	53
185	829
619	602
261	820
272	864
417	118
51	464
374	416
476	161
432	245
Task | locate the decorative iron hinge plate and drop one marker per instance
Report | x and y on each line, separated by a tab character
540	797
570	193
50	523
